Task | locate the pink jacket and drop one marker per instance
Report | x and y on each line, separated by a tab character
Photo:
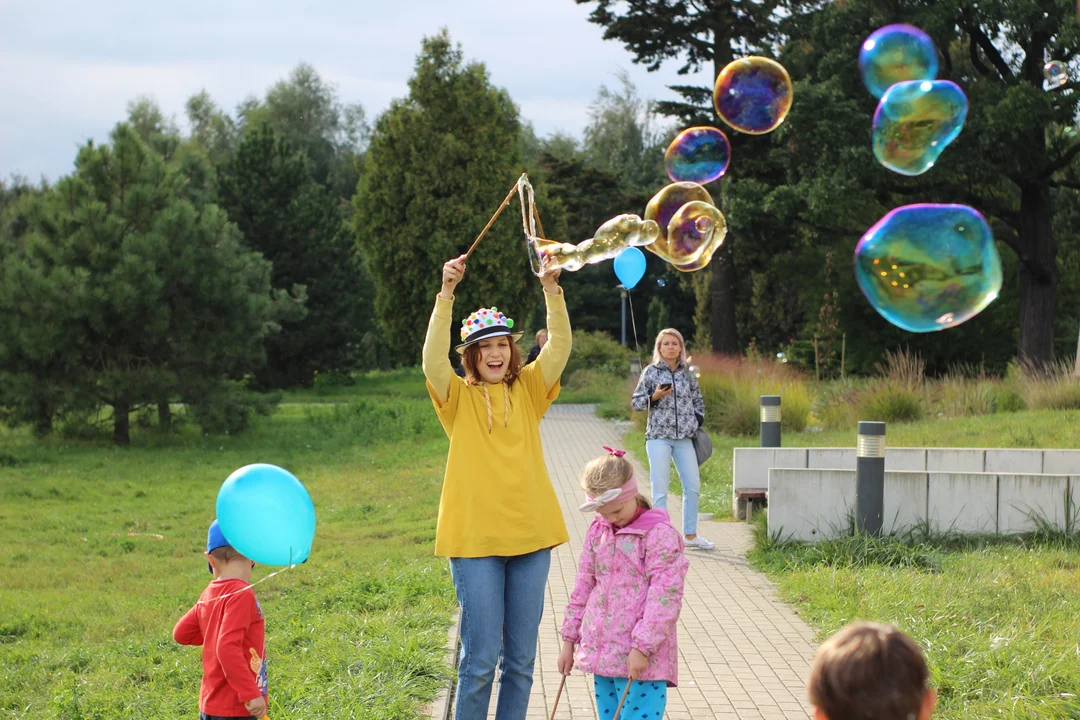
627	594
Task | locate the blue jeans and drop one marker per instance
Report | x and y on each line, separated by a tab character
502	601
661	451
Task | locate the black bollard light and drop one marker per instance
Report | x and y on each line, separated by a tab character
870	478
770	421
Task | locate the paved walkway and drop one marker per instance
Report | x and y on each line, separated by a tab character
742	653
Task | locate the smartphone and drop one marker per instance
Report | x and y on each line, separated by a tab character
665	386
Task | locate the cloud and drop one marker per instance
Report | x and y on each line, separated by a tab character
68	68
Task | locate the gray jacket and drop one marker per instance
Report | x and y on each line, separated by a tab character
675	416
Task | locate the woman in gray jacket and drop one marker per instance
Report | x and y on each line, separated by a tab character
670	392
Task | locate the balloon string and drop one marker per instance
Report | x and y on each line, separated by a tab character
290	566
245	589
633	325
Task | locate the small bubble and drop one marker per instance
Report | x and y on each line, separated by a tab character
662	282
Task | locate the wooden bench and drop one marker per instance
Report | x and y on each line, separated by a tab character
750	495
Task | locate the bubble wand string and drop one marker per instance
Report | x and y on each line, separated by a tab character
498	212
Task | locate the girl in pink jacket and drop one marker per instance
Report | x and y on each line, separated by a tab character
627	594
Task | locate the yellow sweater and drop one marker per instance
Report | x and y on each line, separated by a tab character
497	498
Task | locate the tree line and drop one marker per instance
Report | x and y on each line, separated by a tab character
291	236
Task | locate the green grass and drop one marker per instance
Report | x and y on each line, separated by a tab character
1036	429
86	611
996	617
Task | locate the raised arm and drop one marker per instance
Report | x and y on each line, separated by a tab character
436	361
556	352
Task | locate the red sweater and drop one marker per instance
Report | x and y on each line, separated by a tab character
232	633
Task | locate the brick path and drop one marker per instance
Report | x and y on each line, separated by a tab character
742	653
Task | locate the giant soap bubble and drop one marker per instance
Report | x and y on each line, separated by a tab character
698	154
915	121
896	53
663	206
610	239
692	230
929	267
753	95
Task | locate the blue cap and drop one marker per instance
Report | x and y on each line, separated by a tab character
215	539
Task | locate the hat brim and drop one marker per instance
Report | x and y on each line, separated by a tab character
488	333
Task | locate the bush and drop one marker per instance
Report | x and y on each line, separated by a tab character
598	351
732	389
892	402
227	408
1051	387
965	391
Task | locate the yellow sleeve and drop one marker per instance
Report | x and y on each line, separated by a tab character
556	352
436	361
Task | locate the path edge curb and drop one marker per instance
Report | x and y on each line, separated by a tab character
440	709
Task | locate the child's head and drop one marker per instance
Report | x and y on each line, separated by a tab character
219	554
611	488
870	670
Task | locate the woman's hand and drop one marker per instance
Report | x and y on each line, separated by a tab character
452	272
550	280
566	658
662	392
637	663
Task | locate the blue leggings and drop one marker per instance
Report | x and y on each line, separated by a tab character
645	701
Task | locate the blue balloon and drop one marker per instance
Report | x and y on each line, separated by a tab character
266	514
630	267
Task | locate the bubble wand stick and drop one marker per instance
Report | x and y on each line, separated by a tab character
498	212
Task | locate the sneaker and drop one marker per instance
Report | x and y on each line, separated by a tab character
699	543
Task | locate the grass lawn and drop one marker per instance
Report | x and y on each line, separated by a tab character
90	594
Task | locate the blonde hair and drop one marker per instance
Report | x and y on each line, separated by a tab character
868	670
539	333
660	338
608	472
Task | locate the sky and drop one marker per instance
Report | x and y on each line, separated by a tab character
68	68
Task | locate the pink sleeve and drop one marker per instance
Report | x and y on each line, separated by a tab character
584	582
666	568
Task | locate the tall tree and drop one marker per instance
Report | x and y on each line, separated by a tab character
122	291
1015	160
439	162
699	33
306	110
269	193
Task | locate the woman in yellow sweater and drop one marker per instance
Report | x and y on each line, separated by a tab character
498	515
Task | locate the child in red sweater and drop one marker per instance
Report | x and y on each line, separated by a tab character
228	622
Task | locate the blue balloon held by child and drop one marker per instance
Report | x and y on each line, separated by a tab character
267	515
630	267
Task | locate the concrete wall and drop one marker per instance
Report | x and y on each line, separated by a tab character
751	465
815	503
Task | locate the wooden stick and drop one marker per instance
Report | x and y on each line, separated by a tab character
539	225
622	700
491	222
557	696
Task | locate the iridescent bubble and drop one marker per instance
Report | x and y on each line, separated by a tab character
1056	74
753	95
698	154
610	239
663	206
662	282
896	53
915	121
929	267
692	229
